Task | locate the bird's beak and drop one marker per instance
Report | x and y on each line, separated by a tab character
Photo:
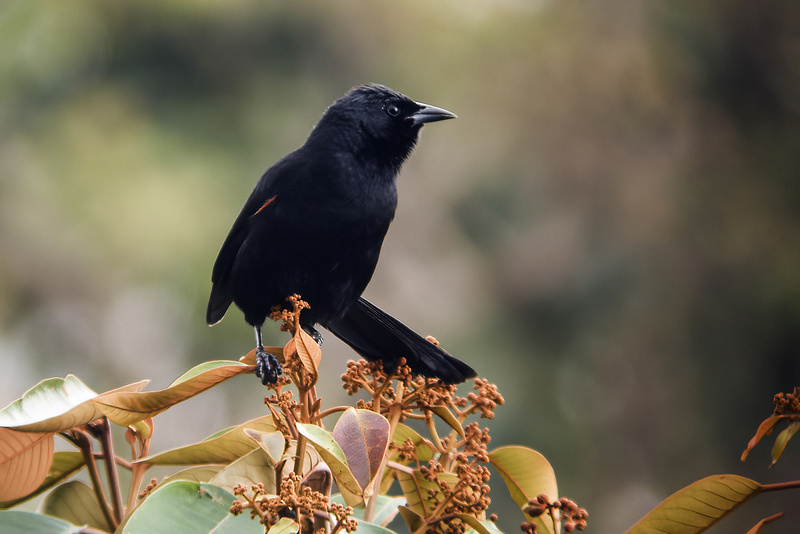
430	114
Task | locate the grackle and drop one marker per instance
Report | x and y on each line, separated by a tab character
314	226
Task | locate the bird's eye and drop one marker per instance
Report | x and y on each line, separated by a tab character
392	110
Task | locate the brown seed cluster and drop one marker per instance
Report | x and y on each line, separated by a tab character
456	479
787	403
149	488
486	399
296	501
572	517
290	318
448	495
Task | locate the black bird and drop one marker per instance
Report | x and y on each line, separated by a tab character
314	226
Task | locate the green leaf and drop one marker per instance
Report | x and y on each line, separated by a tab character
333	455
56	404
527	475
183	506
364	438
697	506
385	509
25	459
221	448
64	465
75	502
252	468
17	522
782	440
128	407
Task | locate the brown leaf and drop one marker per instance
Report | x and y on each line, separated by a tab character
364	437
763	523
308	352
25	459
764	429
128	408
250	357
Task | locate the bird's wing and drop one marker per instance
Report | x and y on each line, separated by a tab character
221	295
376	335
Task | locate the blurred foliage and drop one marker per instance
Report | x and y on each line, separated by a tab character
612	226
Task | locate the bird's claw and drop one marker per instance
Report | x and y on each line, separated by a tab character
267	367
314	333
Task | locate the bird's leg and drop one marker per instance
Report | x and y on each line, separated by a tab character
267	366
314	333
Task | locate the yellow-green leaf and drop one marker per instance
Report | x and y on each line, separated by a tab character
423	447
250	469
447	416
219	449
418	490
527	475
333	455
483	527
697	506
198	473
273	443
782	439
414	521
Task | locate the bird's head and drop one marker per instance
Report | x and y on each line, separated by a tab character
376	119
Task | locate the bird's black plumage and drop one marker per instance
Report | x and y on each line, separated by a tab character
314	226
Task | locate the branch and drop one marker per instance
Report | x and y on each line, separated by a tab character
111	470
82	440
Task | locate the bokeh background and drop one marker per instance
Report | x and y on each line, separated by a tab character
610	231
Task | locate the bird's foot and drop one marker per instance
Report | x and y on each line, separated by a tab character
267	367
314	333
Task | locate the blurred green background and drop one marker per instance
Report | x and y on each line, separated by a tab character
610	231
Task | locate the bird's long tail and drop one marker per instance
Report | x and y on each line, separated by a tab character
376	335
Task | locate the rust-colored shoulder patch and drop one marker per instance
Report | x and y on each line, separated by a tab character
267	203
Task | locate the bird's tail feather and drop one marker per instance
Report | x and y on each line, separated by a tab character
376	335
218	304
